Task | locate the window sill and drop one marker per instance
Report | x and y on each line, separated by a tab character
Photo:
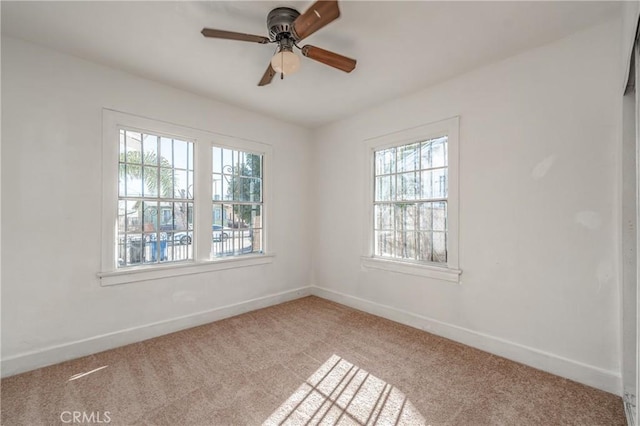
431	271
145	273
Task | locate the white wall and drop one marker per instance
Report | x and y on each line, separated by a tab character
539	209
630	15
51	191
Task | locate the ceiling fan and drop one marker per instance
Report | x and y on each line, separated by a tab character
286	28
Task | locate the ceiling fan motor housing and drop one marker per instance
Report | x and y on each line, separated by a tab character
280	22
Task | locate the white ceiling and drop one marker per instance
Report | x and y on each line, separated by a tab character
400	46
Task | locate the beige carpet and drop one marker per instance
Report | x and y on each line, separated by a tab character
309	361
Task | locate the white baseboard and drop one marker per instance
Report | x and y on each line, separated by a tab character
630	408
55	354
587	374
609	381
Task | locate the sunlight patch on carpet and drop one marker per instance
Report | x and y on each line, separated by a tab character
340	392
79	375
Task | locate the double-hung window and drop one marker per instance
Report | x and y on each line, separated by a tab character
413	193
155	199
179	200
237	202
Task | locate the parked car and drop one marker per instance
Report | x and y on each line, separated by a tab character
181	238
218	234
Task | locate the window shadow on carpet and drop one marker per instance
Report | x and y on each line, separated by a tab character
340	392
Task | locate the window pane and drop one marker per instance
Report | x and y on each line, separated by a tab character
255	189
166	216
191	184
407	186
179	246
405	215
425	247
166	152
122	216
385	188
166	182
385	161
227	161
150	216
122	250
180	183
181	215
155	247
254	165
218	215
440	216
384	217
384	243
434	153
255	216
122	179
242	188
150	179
134	181
150	147
190	156
227	187
133	142
425	213
408	157
134	217
216	159
434	184
406	245
131	250
216	186
439	247
180	154
256	240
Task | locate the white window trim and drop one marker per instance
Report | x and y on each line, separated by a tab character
203	140
450	272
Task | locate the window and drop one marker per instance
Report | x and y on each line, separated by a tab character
178	200
412	182
155	199
237	202
410	201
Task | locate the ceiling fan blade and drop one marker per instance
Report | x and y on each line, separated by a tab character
317	16
329	58
230	35
268	76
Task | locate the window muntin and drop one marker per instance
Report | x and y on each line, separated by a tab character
410	201
155	199
237	202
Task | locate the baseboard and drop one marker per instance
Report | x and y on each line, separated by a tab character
60	353
596	377
630	408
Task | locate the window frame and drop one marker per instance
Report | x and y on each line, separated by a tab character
157	198
250	149
204	141
448	271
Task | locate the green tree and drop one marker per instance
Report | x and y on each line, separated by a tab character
245	184
135	161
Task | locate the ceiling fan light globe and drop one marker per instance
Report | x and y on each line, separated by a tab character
285	62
